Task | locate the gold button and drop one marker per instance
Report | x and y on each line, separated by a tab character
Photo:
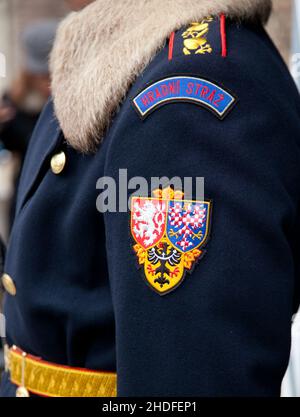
9	284
58	163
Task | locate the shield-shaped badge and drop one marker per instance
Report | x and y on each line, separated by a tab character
148	221
170	234
187	224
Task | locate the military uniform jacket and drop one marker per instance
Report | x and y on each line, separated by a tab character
162	89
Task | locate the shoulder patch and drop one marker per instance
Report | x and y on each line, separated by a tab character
199	91
170	234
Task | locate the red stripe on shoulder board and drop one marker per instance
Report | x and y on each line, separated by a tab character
171	46
223	35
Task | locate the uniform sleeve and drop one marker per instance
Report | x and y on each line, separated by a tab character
225	330
2	256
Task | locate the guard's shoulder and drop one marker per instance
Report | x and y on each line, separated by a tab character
217	42
216	63
194	46
204	40
194	67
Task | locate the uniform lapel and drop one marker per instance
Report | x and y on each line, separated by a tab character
44	140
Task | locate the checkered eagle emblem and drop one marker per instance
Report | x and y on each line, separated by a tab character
170	234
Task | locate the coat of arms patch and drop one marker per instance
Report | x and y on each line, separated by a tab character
170	234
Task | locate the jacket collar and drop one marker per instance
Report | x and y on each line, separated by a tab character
100	51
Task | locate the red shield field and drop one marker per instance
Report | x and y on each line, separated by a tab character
148	220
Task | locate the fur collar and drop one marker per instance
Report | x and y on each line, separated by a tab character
99	52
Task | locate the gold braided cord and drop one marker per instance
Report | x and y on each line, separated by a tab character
51	380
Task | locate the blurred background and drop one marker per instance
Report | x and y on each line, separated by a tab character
27	30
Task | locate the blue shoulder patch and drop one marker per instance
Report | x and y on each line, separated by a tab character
190	89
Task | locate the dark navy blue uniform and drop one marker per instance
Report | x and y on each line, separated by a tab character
80	299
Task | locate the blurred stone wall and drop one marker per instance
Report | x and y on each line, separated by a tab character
23	12
4	43
14	16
